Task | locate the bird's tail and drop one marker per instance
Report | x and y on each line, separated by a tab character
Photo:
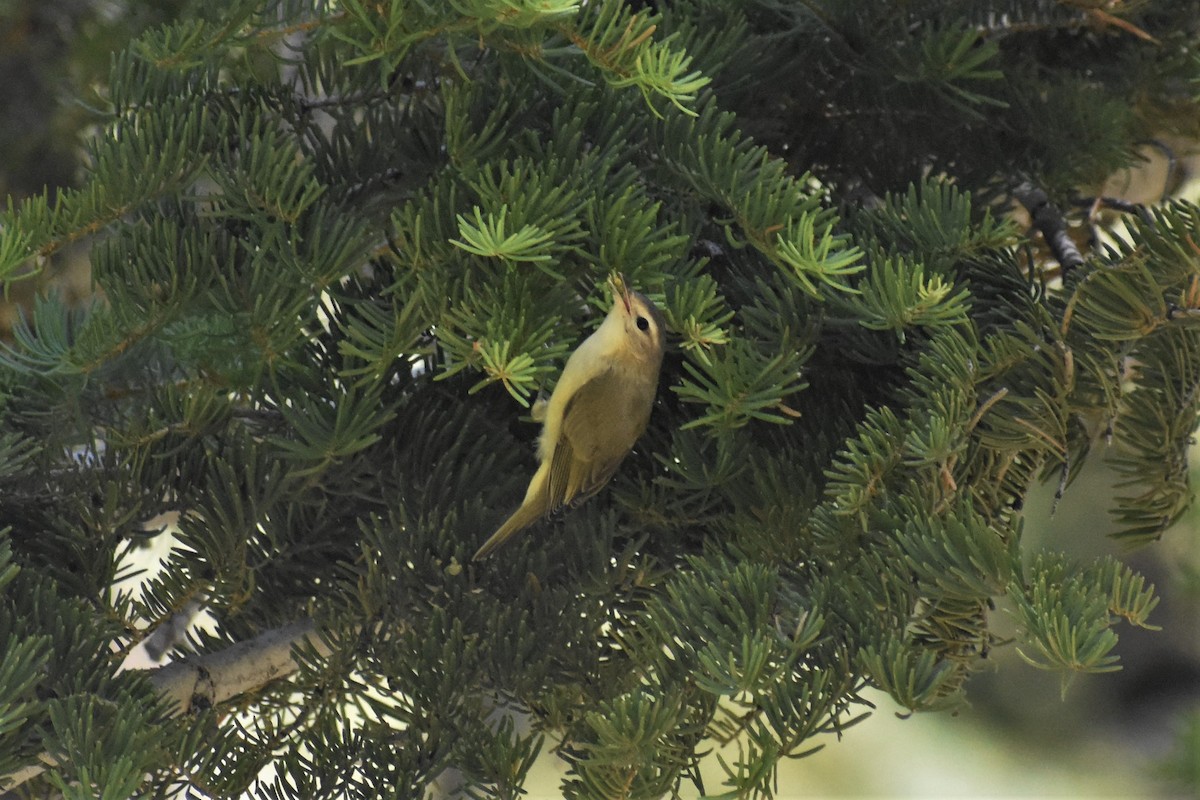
522	518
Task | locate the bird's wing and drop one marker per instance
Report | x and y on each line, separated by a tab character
559	477
598	429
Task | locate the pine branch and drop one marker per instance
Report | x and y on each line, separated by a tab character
215	678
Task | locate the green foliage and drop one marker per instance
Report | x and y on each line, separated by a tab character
338	247
948	62
897	296
632	737
1067	614
61	696
914	677
1182	768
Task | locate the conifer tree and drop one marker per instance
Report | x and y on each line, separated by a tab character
340	248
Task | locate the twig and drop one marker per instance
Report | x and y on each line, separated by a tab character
1053	225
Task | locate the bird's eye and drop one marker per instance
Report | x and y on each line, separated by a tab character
643	324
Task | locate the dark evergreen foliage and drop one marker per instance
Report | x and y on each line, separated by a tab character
341	247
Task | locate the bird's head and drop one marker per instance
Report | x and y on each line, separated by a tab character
641	321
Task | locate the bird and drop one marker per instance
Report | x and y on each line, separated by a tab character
598	409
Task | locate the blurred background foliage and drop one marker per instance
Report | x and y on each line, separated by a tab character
51	54
1135	733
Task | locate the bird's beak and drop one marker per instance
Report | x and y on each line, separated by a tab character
620	290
